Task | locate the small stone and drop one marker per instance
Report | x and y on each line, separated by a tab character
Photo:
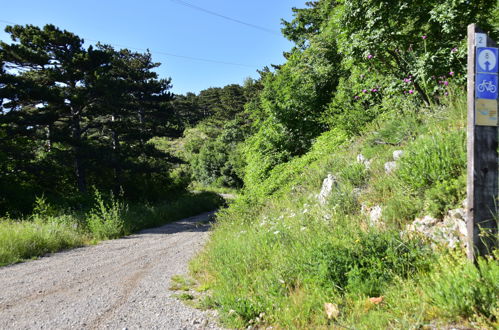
397	154
390	167
375	215
363	160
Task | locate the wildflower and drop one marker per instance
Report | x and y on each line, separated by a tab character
369	56
276	232
303	228
453	50
374	90
411	91
424	37
446	83
305	211
451	73
361	76
364	91
407	80
446	94
357	97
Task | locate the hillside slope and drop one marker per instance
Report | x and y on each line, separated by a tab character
280	256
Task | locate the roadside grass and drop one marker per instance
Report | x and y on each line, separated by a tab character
276	255
49	230
21	240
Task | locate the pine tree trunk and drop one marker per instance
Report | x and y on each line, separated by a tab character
116	158
79	167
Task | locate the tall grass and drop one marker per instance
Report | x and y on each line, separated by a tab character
20	240
49	230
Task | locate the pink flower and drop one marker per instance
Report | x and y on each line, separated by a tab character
446	83
364	91
424	37
406	80
451	73
453	50
357	97
411	91
374	90
369	56
446	94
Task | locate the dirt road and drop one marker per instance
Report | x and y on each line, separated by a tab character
118	284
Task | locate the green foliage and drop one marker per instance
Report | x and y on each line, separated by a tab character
268	174
105	220
298	93
50	230
20	240
277	251
77	116
459	288
446	195
286	260
141	216
434	167
355	173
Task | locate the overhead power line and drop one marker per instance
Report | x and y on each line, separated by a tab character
156	52
258	27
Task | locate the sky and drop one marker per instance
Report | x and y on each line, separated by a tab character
197	48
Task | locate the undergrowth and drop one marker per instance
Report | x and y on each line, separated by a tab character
277	255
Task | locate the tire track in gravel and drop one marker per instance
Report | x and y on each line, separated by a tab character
117	284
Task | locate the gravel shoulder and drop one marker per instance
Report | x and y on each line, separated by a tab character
117	284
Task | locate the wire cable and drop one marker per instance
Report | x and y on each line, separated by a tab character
190	5
156	52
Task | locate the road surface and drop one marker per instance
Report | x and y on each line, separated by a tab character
118	284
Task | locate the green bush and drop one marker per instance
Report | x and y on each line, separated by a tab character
445	195
106	220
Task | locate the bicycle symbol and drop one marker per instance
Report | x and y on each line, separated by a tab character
487	86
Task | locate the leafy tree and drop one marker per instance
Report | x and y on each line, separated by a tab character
416	40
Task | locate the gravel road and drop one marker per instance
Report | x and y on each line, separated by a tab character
118	284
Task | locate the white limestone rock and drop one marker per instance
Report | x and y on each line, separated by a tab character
327	186
450	231
363	160
397	154
390	167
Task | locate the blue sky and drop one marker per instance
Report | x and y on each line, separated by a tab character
167	26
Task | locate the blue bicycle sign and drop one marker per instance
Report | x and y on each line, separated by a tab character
486	86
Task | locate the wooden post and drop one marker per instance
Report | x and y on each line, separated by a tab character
482	182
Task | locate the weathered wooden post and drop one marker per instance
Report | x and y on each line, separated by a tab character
482	183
